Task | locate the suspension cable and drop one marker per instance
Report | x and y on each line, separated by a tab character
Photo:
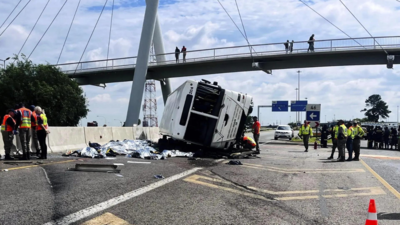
10	14
15	17
109	35
331	23
234	22
363	26
65	41
94	28
33	27
47	29
244	30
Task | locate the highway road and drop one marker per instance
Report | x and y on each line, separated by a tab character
283	185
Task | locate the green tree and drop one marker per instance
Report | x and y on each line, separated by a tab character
378	108
42	85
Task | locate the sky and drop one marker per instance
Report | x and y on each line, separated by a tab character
202	24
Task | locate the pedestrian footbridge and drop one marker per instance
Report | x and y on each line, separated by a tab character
334	52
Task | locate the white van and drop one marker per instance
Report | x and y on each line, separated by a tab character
205	114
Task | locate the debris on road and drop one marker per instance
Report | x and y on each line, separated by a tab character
107	168
118	164
159	176
5	170
234	162
119	175
139	162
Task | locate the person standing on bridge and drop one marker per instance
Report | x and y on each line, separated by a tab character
256	133
286	44
177	54
305	132
184	53
311	44
291	46
23	120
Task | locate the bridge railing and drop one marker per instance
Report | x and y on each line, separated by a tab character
300	47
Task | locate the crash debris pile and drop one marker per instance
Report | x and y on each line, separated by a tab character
131	148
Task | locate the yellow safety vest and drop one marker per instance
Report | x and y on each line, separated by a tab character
306	130
359	131
351	132
344	130
336	131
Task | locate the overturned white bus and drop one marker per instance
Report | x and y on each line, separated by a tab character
204	114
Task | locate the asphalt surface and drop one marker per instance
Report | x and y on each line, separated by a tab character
283	185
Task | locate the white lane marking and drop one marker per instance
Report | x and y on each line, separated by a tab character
218	160
118	164
47	177
110	158
138	162
74	217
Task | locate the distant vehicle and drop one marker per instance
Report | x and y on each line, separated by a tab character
205	115
284	131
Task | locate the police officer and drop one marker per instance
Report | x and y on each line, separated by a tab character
386	137
349	142
8	127
334	136
23	120
379	137
358	135
324	136
342	138
256	133
305	132
370	137
42	131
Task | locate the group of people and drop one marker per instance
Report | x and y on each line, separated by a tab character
177	53
250	143
343	137
383	138
289	45
26	123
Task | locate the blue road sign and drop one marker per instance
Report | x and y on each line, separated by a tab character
312	115
280	106
298	106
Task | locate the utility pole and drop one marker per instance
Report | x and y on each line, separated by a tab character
298	77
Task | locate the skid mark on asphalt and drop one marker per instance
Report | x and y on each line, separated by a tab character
44	164
283	170
106	218
302	195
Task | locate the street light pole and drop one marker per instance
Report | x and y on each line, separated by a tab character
298	86
119	121
4	61
105	120
297	113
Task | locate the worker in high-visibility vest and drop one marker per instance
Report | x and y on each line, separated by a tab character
334	136
358	135
256	133
42	131
23	120
8	131
305	132
349	142
342	138
249	143
33	129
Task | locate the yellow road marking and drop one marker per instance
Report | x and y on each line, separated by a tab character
106	219
44	164
386	184
284	170
342	193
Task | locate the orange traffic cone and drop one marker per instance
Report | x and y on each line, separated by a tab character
372	218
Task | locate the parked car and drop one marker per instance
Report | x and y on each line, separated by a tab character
284	131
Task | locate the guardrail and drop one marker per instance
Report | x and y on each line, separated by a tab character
349	44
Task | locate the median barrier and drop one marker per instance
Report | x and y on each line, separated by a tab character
101	135
66	138
121	133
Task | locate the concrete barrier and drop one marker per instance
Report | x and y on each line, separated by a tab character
61	139
121	133
99	135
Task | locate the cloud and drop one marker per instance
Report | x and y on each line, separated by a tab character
102	98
